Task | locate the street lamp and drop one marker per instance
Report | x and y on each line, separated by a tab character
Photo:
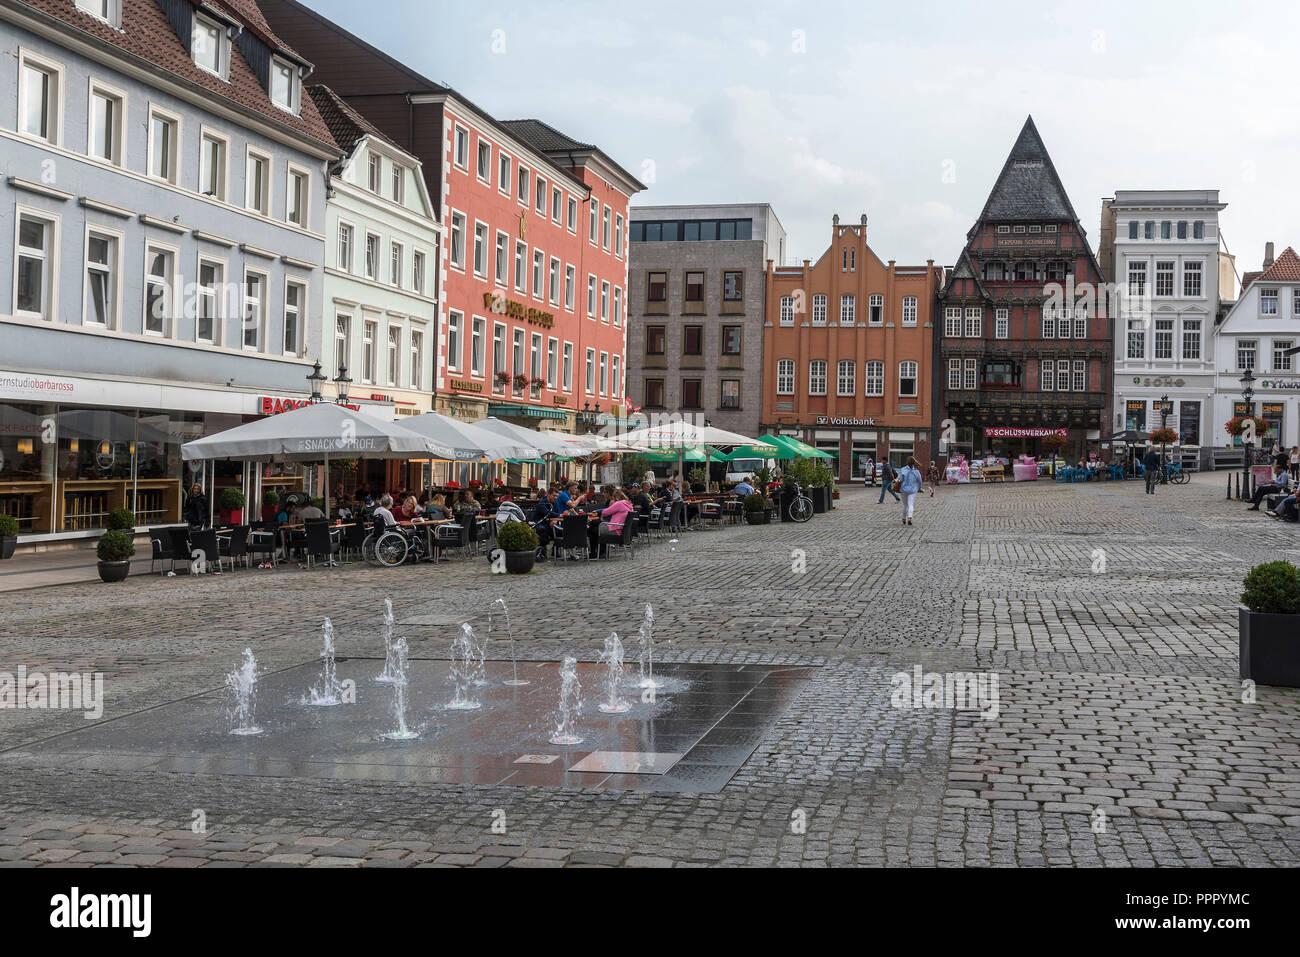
342	381
316	377
589	417
1166	408
1248	396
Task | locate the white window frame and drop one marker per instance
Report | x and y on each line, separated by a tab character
952	322
253	155
222	71
874	378
817	377
455	324
369	350
591	372
539	272
292	170
572	215
459	138
479	263
479	165
418	266
786	317
604	302
416	353
973	325
1002	323
848	309
566	373
914	367
875	309
98	88
396	262
169	321
208	135
457	228
263	318
1193	327
218	299
846	377
174	157
371	268
552	362
521	266
350	231
113	270
112	7
477	345
554	275
785	377
501	266
393	353
910	310
570	287
294	104
53	124
524	176
505	172
299	316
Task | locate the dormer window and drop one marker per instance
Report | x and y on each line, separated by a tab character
110	11
284	85
210	47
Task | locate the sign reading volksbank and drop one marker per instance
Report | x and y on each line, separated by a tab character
839	420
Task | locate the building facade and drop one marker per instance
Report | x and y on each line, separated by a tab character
1025	342
1166	254
848	353
1258	334
534	245
164	194
696	306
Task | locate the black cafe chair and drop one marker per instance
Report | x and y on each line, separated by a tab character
235	546
575	535
450	535
261	540
622	539
354	537
204	551
160	544
180	538
319	542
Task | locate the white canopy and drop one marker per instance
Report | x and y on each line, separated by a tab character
547	443
314	432
470	442
683	435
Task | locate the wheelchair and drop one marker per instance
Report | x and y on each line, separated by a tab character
390	547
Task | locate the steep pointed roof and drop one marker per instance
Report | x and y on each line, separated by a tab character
345	124
965	269
1286	268
1028	187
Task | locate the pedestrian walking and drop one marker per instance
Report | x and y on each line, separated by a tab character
1151	464
196	511
932	476
909	483
887	476
1295	463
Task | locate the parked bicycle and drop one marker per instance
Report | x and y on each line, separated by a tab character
1176	474
800	508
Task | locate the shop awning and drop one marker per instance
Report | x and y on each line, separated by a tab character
793	448
525	412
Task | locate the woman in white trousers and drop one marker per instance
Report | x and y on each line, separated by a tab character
910	482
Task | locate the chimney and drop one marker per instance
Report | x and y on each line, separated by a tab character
1268	255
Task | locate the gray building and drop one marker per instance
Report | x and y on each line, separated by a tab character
696	307
163	209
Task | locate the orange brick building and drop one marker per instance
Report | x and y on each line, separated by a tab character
848	349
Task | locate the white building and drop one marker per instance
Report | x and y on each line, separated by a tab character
1256	334
1167	257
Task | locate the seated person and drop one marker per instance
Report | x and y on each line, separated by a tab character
743	487
612	519
508	511
309	513
544	517
1288	508
560	504
436	507
384	512
468	503
640	499
1281	483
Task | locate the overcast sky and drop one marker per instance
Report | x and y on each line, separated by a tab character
904	111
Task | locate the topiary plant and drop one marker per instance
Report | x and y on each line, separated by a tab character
120	519
271	498
517	537
115	545
232	499
755	503
8	526
1272	588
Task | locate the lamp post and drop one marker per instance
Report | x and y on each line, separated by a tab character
316	377
342	381
588	418
1248	396
1166	407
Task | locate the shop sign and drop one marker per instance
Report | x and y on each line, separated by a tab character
1159	382
272	405
36	386
463	386
1280	384
560	400
838	420
502	306
999	432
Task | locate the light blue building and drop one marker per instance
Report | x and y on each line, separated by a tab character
163	184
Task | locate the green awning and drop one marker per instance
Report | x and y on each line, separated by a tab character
749	452
525	412
792	448
660	456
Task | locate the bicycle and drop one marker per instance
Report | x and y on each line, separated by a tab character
1176	474
800	508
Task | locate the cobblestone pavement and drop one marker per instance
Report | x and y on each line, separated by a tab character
1109	617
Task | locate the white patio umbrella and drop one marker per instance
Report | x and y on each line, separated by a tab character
685	435
312	432
470	442
551	445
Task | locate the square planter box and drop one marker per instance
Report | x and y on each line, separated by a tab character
1270	648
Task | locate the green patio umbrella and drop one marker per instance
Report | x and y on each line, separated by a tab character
660	456
794	448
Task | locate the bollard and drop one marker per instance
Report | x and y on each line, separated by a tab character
1237	475
1229	498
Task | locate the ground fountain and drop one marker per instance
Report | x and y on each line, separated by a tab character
612	656
389	674
570	704
466	670
646	644
329	692
399	681
514	680
242	685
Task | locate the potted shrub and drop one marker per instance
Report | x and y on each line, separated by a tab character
8	536
1268	624
270	506
230	507
502	378
520	382
519	542
120	519
114	551
755	509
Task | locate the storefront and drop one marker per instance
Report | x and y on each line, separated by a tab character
72	450
850	442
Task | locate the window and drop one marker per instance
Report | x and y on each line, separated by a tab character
1182	229
498	355
163	146
591	374
954	374
1191	338
101	279
570	281
1049	325
618	306
107	115
1080	375
995	271
732	340
1164	339
1281	361
209	300
207	46
254	309
461	156
692	394
160	270
1198	229
557	203
975	323
374	172
875	377
521	257
394	354
655	340
399	183
106	10
1149	229
555	281
552	362
395	256
1026	271
876	315
604	369
817	377
618	236
343	339
480	249
573	215
296	201
1002	324
503	173
604	302
517	351
567	380
458	240
819	309
733	286
1137	278
345	247
369	331
846	377
1268	302
1166	230
787	310
952	322
525	180
592	219
535	357
539	265
1081	328
1048	375
294	296
730	397
909	310
39	95
907	379
1192	279
654	393
785	377
372	256
284	85
1164	277
485	161
1295	302
604	229
541	195
591	297
658	287
695	287
848	309
1133	229
417	272
454	321
1136	339
969	371
693	341
478	331
257	194
1247	350
417	359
